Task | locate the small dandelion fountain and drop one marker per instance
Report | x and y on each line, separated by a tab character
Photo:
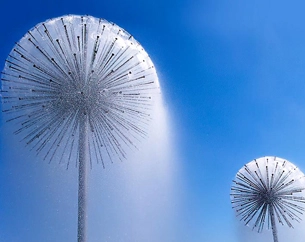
269	190
79	86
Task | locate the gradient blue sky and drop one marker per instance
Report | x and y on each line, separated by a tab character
233	79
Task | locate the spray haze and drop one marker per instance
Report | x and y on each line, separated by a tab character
141	199
82	90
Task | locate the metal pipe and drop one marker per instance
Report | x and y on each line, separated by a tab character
273	225
82	178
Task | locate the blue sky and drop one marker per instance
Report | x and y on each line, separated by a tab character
233	78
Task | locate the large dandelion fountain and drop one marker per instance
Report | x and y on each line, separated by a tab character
269	191
79	86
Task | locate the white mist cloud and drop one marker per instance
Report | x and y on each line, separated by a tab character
136	200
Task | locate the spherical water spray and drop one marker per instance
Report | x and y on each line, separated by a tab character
79	86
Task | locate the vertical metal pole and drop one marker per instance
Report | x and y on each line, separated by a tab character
273	225
82	178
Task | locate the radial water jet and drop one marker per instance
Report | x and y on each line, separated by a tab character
78	85
269	191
